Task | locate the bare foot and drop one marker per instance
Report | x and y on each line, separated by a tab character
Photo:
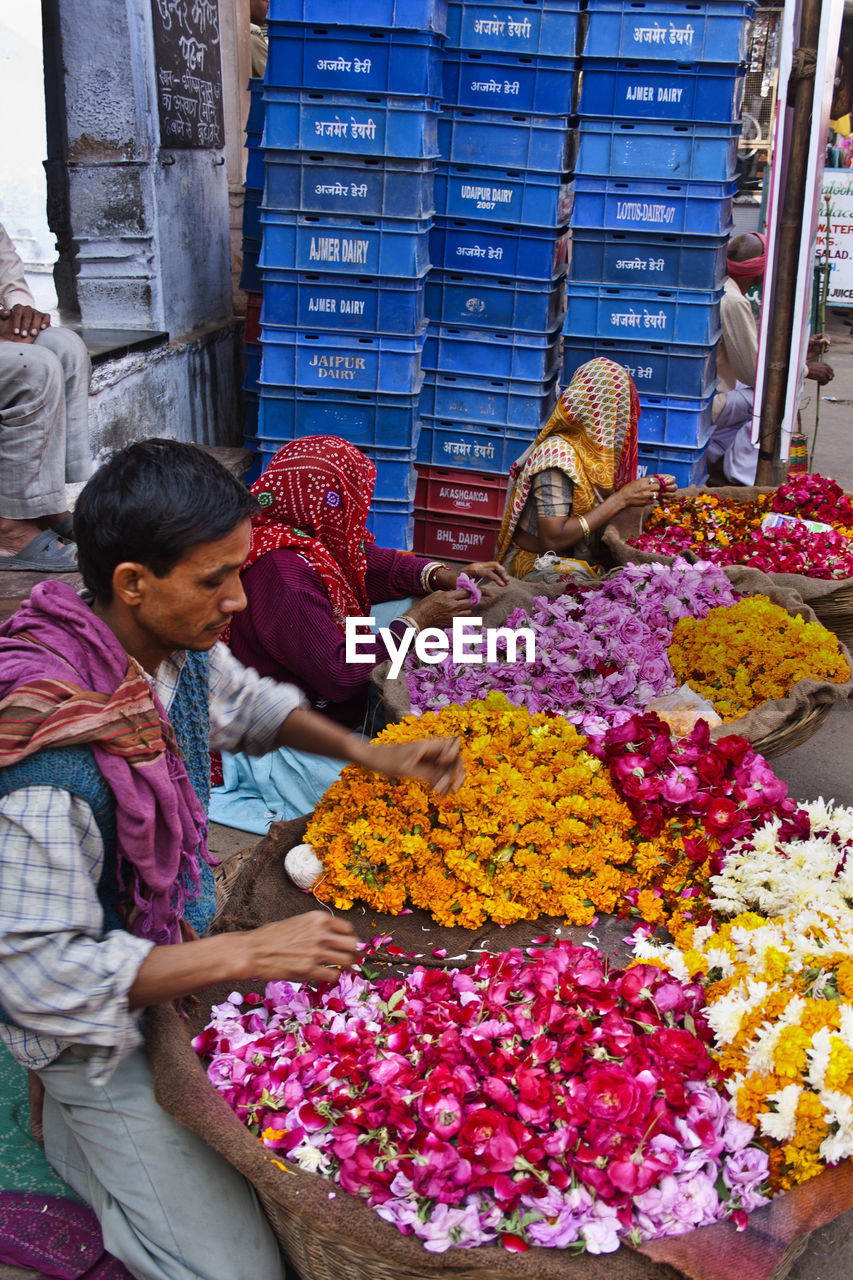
35	1089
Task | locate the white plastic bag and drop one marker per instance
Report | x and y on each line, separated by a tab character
682	708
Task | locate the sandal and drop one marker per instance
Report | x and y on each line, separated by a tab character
45	554
65	528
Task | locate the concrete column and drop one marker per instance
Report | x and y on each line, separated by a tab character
150	224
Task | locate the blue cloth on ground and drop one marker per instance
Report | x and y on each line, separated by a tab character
283	784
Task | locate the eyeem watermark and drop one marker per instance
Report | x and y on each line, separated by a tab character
465	644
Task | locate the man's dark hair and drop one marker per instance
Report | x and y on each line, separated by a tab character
150	504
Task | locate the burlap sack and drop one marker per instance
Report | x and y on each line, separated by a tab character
832	601
773	728
330	1235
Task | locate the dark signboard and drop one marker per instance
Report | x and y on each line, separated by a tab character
188	73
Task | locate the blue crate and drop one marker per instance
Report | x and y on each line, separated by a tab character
684	423
253	367
668	30
491	249
479	301
516	196
364	418
467	398
501	82
532	358
354	60
392	525
251	214
350	246
350	304
255	118
686	208
464	446
689	466
389	365
657	369
679	316
356	186
536	27
420	15
544	143
351	124
395	468
255	170
250	273
664	261
634	90
649	149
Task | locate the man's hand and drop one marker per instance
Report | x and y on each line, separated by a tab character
309	948
435	761
820	372
22	323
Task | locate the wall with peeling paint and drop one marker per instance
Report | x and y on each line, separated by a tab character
146	229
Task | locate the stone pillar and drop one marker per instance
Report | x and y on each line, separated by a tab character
149	222
236	69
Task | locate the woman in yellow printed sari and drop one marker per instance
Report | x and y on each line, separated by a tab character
579	472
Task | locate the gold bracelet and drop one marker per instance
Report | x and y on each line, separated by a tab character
584	527
405	617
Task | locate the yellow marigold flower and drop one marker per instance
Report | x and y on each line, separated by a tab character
536	829
754	651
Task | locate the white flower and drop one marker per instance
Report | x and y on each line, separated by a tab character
309	1158
781	1125
818	1056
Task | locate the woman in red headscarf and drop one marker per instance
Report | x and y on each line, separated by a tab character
312	565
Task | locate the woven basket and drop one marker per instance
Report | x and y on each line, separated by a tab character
831	601
328	1234
772	728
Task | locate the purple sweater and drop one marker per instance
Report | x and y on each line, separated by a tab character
287	630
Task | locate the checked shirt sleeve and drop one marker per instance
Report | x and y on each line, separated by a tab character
246	710
60	979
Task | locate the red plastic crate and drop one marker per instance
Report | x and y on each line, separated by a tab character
454	537
253	317
466	493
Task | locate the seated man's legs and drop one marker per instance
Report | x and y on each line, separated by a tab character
170	1207
740	461
43	432
734	415
70	350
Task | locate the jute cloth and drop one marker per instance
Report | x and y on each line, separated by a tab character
764	1251
769	717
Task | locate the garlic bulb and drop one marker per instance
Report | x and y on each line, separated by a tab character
303	866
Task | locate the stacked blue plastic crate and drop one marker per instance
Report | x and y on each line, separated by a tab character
662	85
250	275
495	295
350	142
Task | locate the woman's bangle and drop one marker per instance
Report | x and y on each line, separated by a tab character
429	575
407	617
585	529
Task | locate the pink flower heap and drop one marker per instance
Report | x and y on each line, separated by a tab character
718	791
601	649
537	1098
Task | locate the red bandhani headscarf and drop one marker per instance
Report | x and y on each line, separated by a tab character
314	497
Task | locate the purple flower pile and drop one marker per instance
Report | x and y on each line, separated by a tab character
601	648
